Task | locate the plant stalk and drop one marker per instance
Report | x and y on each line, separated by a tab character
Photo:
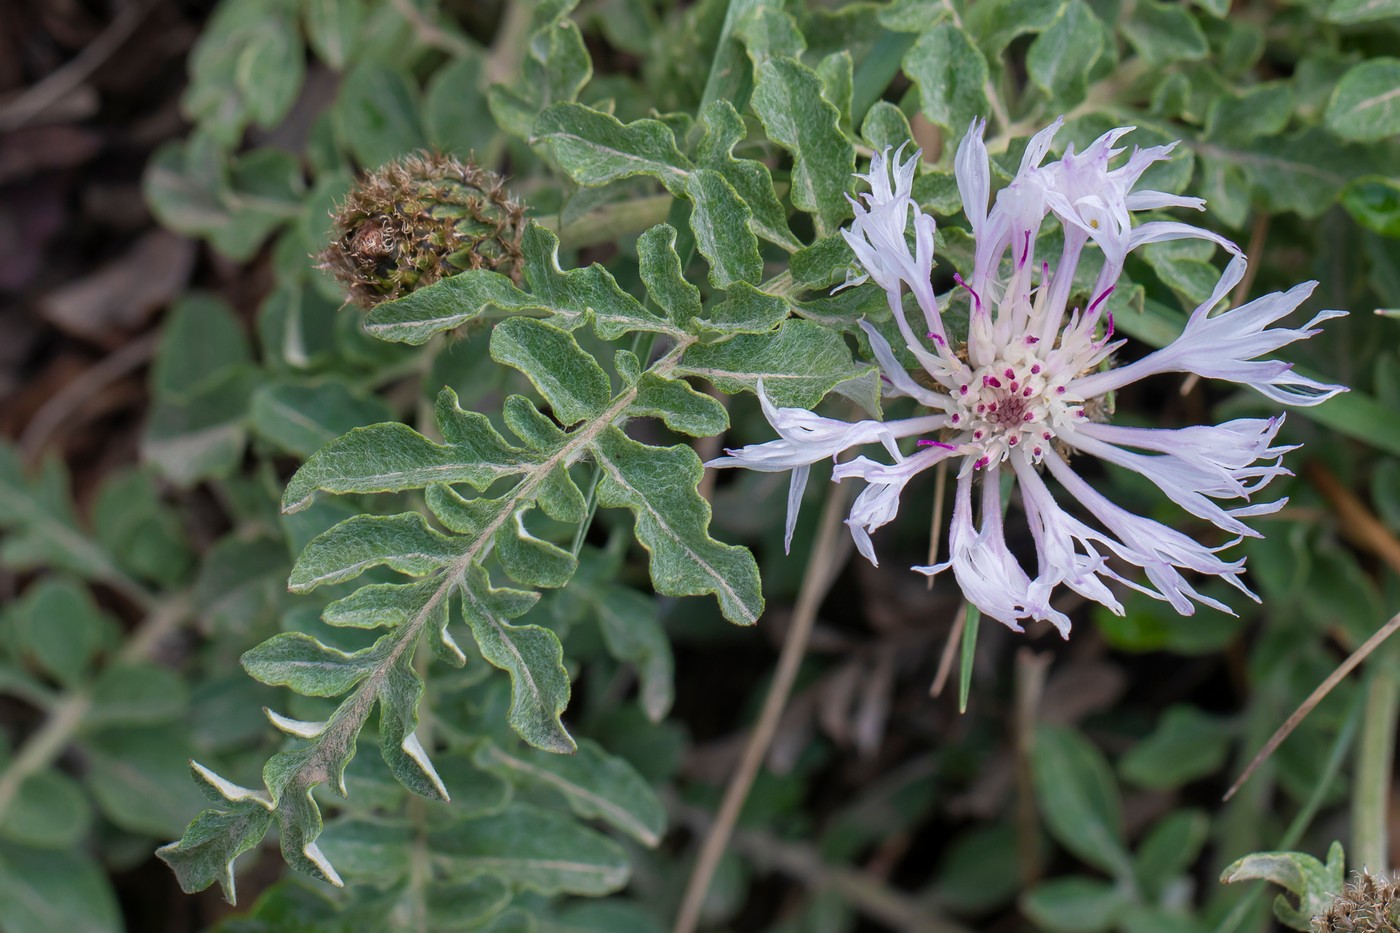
1370	797
821	567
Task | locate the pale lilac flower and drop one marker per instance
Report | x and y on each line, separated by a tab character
1022	390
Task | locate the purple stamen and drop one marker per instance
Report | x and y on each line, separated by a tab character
976	298
923	443
1035	370
1031	341
962	390
1100	300
1028	392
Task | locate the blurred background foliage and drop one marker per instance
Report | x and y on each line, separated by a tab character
173	353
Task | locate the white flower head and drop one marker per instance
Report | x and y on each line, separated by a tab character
1024	388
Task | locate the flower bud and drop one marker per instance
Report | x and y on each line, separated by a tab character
419	219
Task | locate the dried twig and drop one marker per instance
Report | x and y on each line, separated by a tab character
63	404
1316	697
950	651
940	483
821	568
860	889
56	84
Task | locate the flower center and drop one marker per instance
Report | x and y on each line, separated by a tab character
1011	404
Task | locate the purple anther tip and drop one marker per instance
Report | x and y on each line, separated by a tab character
1103	296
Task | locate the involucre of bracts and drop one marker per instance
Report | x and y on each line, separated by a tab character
1366	904
419	219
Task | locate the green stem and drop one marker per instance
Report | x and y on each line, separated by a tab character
1371	782
877	71
581	531
1340	746
731	75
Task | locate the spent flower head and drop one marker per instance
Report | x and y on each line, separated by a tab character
418	219
1025	387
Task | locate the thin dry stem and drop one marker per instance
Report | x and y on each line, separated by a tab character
1316	697
860	889
950	651
821	569
940	484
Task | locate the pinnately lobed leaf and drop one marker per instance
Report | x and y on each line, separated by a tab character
596	784
789	101
530	654
658	485
596	148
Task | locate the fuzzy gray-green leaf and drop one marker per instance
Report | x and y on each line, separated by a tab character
680	406
392	457
573	383
296	660
596	784
206	852
530	654
1315	884
799	364
402	542
1366	105
571	296
951	74
720	221
400	690
789	101
447	303
661	272
596	148
659	485
536	849
724	129
744	310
